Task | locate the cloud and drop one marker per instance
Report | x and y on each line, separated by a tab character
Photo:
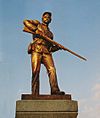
90	107
96	90
96	87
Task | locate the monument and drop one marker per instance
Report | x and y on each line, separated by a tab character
57	104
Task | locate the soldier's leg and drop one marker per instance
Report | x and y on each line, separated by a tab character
36	63
49	64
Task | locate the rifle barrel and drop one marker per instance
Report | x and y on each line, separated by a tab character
62	47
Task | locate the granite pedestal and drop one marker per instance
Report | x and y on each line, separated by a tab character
46	106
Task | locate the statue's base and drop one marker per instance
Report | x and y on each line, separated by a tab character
46	106
45	97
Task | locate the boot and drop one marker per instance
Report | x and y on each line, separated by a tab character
58	93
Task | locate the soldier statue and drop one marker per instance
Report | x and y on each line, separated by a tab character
41	53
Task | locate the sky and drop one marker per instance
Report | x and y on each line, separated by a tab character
76	25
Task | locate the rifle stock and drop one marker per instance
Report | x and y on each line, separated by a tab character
55	43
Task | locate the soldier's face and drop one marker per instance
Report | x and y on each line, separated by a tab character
46	18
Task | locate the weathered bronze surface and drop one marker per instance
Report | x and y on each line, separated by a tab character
41	53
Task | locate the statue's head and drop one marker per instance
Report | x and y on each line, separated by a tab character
46	17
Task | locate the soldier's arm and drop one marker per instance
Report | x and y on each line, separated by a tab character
30	25
54	48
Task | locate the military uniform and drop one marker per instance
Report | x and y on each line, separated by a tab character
41	52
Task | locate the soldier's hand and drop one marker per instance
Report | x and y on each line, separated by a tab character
58	48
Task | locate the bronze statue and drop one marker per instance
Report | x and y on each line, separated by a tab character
41	50
41	53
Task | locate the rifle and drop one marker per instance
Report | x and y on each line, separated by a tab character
54	42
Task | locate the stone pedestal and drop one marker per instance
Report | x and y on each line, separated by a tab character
46	108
